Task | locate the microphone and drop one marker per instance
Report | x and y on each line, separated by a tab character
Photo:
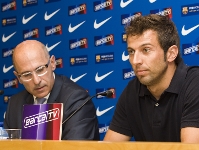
1	92
107	93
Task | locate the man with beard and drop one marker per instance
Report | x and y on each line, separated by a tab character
162	102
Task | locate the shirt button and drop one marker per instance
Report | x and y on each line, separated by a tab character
156	104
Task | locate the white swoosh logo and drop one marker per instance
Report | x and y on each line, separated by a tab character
51	47
5	70
76	79
97	25
71	29
24	21
100	113
125	57
124	4
98	79
152	1
4	39
185	32
47	17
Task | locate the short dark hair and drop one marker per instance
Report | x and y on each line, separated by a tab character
165	28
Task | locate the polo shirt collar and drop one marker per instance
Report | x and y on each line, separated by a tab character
178	78
176	82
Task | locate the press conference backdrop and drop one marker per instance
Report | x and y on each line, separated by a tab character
88	40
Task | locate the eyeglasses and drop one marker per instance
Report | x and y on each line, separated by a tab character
40	71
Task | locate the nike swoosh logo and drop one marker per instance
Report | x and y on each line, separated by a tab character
4	39
98	79
51	47
71	29
185	32
125	57
152	1
78	78
100	113
97	25
24	21
124	4
47	17
5	70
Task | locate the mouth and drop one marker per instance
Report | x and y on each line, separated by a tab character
39	88
141	72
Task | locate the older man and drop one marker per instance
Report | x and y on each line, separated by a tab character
34	68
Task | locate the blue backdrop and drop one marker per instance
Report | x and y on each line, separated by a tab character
88	40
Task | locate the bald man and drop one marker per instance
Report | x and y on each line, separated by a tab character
34	68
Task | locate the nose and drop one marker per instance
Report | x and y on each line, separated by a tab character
36	79
135	59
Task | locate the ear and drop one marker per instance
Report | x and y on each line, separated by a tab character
53	62
16	74
172	53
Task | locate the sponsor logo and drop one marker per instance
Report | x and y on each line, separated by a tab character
126	18
189	10
78	43
6	69
56	30
34	33
79	60
81	9
98	25
103	5
10	83
59	63
5	39
190	48
184	10
7	52
164	12
124	37
41	118
6	98
103	128
128	73
104	58
4	22
152	1
124	57
72	29
124	4
101	40
100	113
9	6
47	17
24	21
9	21
29	3
52	47
100	78
77	78
185	32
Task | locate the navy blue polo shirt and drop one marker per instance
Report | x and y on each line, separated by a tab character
140	115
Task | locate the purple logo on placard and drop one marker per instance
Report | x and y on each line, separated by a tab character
40	118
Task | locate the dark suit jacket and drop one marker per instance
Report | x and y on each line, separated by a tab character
82	126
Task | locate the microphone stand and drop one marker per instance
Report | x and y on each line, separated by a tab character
107	93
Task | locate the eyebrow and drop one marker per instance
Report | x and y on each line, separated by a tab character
145	44
23	72
31	71
129	48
